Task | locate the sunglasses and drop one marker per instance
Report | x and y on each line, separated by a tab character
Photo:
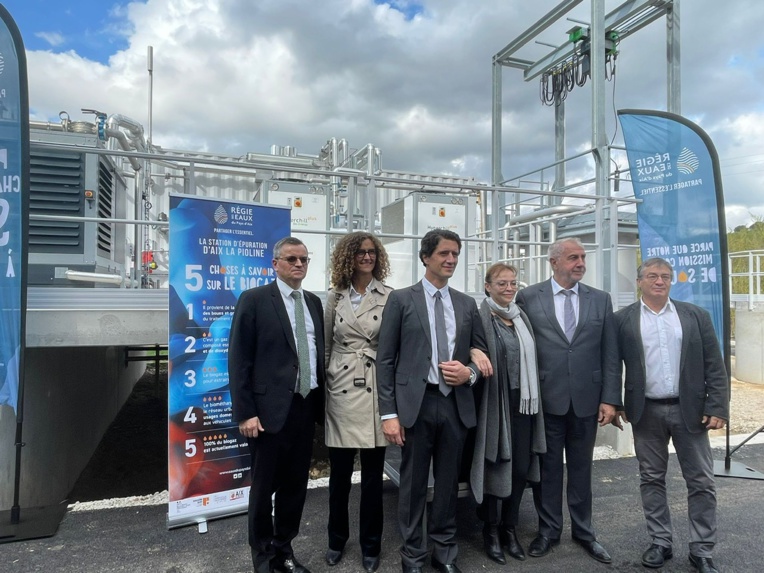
293	260
363	252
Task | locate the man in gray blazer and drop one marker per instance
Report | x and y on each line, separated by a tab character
580	386
676	388
424	379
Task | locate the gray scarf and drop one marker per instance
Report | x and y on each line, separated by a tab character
529	394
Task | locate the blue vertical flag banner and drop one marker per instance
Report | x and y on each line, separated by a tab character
219	249
14	200
675	172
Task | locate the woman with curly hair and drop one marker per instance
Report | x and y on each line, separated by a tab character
352	317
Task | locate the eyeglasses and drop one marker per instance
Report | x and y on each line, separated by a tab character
504	284
292	260
652	277
361	253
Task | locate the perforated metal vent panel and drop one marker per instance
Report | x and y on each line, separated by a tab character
56	185
105	236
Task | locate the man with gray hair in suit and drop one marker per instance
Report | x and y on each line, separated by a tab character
677	388
580	385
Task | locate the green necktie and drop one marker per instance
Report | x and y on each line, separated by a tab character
303	354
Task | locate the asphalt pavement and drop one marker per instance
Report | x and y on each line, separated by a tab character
136	539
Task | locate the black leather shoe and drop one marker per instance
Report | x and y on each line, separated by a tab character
333	557
289	565
703	564
492	544
656	555
541	546
445	568
595	550
370	564
511	544
407	569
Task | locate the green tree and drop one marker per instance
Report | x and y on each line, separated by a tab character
746	238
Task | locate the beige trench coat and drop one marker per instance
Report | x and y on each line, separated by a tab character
352	412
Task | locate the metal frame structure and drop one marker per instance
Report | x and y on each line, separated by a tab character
625	20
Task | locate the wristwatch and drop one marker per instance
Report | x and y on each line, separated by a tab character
473	377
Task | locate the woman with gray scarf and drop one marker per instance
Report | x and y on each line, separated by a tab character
510	428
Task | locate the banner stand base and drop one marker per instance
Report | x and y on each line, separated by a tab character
34	522
736	470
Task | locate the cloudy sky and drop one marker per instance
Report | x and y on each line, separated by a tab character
411	77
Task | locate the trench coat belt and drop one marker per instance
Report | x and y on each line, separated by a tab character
360	353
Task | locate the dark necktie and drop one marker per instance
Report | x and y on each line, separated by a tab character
303	354
569	315
442	341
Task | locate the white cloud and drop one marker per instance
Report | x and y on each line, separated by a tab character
235	76
55	39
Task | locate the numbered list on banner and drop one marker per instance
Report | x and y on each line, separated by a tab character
218	250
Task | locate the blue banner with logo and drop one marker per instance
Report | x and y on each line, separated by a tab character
219	249
14	169
675	172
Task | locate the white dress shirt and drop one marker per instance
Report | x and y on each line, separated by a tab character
448	311
662	344
356	298
559	302
286	295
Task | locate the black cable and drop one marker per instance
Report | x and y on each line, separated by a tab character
615	111
580	73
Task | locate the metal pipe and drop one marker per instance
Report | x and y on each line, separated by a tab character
278	160
534	215
150	67
37	217
674	72
137	248
124	144
46	125
94	277
496	125
133	127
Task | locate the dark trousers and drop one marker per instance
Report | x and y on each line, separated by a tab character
280	466
371	511
438	435
506	512
575	437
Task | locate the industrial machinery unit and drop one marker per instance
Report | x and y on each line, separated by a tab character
76	183
417	213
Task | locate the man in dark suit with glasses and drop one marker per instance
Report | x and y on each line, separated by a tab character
276	373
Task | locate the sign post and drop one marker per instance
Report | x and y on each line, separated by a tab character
31	523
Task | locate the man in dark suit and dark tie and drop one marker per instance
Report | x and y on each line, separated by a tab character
276	373
677	388
580	386
424	379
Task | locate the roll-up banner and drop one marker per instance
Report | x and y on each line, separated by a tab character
14	169
675	172
219	249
